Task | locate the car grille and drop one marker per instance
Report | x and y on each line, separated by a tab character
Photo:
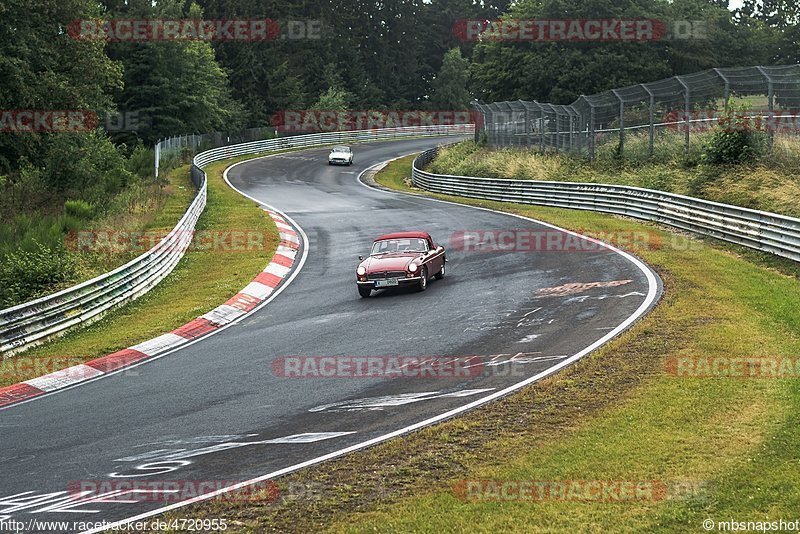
387	274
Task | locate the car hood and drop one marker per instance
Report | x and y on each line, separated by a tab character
389	262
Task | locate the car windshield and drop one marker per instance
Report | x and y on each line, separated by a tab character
341	149
386	246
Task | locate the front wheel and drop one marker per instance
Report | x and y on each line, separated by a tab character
423	279
364	291
440	274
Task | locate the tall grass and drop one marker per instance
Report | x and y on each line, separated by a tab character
34	257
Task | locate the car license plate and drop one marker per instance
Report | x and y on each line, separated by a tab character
386	283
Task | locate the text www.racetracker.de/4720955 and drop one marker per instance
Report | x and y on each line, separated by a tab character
185	524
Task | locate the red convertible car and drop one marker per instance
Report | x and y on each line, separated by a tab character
400	259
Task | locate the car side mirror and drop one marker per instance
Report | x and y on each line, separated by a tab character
440	248
361	258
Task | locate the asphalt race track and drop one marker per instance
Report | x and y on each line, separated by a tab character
217	410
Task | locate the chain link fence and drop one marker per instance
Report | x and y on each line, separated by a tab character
672	117
174	150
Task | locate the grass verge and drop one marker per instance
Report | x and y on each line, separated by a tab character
725	448
203	279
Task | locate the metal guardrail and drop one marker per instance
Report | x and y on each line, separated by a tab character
30	323
355	136
26	324
760	230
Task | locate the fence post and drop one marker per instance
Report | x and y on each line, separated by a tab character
527	125
652	120
686	112
621	123
572	124
157	151
541	128
477	107
491	133
591	132
727	93
508	140
771	104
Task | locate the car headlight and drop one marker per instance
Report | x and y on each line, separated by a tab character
361	271
412	267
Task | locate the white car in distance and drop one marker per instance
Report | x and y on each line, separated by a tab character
340	155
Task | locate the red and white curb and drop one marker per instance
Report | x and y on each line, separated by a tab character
241	304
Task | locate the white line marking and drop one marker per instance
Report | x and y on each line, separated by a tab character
400	399
309	437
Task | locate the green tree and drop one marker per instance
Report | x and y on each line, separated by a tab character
777	23
176	86
42	67
334	99
450	85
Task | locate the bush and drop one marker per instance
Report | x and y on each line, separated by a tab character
79	209
734	146
26	275
141	162
86	166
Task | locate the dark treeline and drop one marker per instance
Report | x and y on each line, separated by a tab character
369	54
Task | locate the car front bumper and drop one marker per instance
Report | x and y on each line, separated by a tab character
400	282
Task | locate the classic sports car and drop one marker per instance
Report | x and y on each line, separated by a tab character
400	259
340	155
